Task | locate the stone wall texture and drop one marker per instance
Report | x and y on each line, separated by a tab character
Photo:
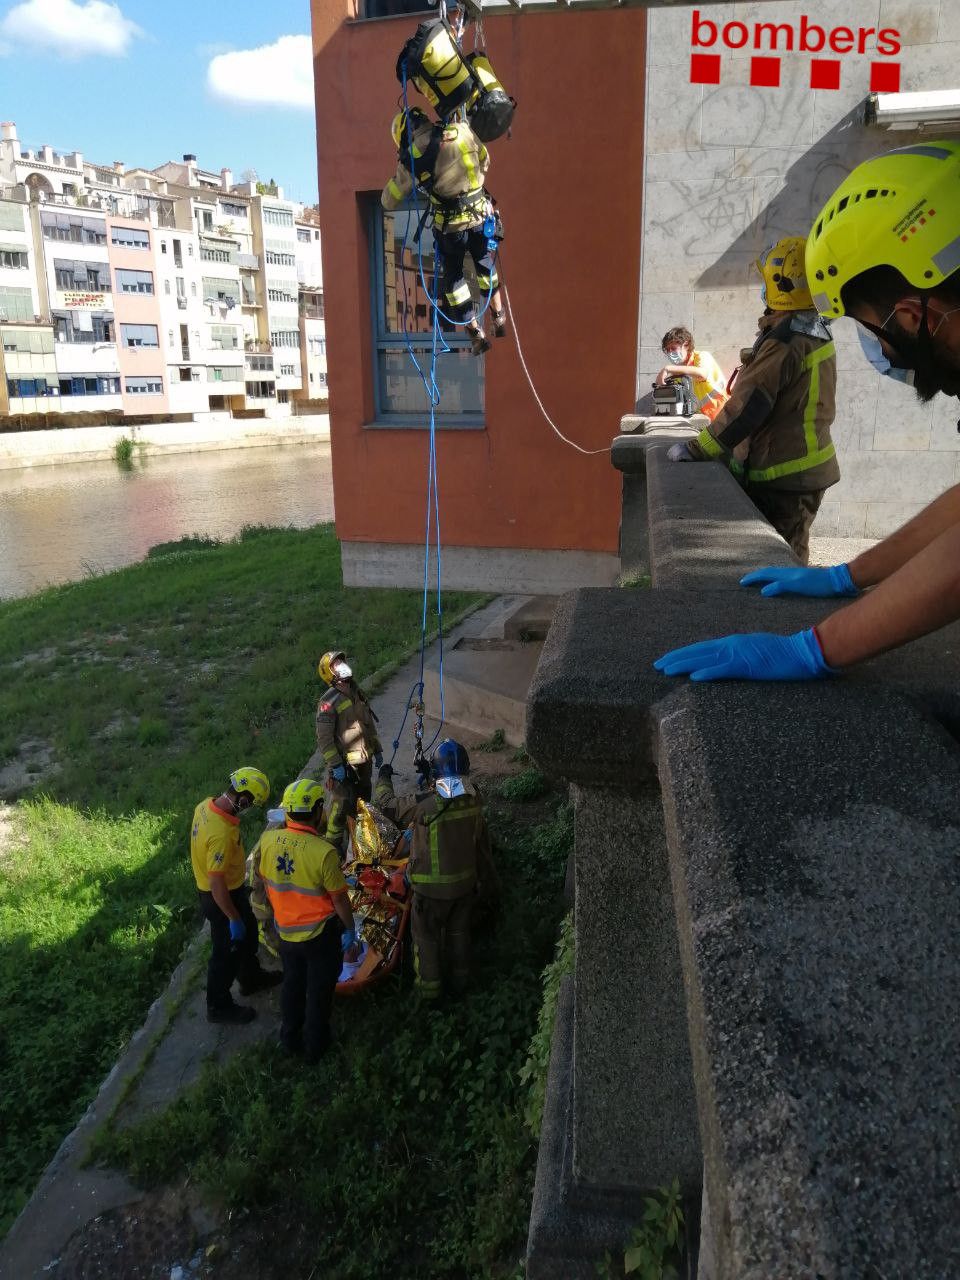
729	169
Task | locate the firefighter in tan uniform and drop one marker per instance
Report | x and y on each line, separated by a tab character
451	863
347	739
774	431
449	163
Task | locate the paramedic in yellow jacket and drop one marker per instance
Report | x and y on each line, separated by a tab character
300	872
684	360
774	431
451	863
347	739
449	164
219	868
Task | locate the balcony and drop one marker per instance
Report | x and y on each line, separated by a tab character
247	261
255	345
181	302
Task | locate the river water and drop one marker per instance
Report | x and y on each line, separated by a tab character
60	523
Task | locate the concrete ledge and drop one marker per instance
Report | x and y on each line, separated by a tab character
531	571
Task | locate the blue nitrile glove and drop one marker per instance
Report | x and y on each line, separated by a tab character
378	760
339	773
348	939
759	656
679	452
835	581
238	931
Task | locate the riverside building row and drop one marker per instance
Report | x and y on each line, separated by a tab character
153	291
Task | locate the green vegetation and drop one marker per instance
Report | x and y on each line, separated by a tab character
655	1248
496	742
127	698
406	1152
534	1071
123	452
530	784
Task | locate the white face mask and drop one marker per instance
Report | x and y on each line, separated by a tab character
342	671
875	353
675	357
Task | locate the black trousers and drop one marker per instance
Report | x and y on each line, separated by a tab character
451	247
229	960
310	973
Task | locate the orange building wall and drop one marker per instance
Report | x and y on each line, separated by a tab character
569	185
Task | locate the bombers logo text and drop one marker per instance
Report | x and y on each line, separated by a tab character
766	41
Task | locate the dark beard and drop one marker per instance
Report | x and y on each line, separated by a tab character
933	372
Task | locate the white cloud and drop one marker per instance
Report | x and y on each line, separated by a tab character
70	29
278	74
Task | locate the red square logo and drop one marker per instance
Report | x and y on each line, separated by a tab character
824	73
765	73
704	68
884	77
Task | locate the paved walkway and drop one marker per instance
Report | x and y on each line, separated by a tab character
176	1039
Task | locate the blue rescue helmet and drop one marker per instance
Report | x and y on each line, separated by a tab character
450	760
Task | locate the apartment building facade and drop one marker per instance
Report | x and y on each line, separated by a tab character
172	290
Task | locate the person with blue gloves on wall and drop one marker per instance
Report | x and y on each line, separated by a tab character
885	251
219	868
347	739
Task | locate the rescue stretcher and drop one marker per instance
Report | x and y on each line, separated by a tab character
380	900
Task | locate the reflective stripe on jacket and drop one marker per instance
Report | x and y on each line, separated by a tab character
346	727
775	428
450	847
450	163
300	871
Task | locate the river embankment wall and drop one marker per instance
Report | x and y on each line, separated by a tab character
93	444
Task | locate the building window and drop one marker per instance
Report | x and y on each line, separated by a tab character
89	277
401	315
273	258
322	379
134	281
287	294
316	346
311	305
285	338
210	253
206	219
303	235
76	326
193	288
148	386
387	8
260	364
90	386
260	390
11	216
177	255
163	246
233	210
16	303
32	387
166	287
28	342
13	256
277	217
139	335
288	371
131	237
224	337
64	226
220	289
225	373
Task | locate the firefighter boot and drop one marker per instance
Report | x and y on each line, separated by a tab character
478	341
499	323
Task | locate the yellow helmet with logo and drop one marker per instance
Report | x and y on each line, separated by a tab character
784	276
301	796
901	210
325	665
247	778
398	128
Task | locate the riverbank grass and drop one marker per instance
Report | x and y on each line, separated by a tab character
127	698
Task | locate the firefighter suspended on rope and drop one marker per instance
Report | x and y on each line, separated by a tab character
448	163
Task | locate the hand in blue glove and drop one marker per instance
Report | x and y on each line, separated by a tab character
238	931
378	760
348	939
339	773
759	656
679	452
825	583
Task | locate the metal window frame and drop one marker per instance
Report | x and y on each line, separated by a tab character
384	341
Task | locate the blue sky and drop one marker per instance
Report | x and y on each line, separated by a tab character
144	81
